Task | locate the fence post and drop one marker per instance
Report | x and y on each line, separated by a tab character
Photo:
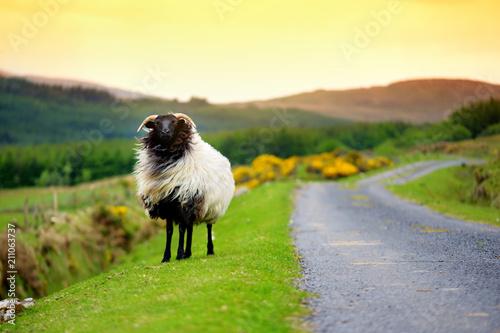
92	196
75	202
35	215
55	202
26	212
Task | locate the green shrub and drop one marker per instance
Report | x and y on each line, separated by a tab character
491	130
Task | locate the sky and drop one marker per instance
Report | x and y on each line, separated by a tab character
242	50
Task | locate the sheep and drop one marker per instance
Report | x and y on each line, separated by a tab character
181	179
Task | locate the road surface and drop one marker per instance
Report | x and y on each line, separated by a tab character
381	264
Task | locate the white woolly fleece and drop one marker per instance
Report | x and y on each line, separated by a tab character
201	170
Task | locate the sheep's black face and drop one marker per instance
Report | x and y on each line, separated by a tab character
169	136
164	129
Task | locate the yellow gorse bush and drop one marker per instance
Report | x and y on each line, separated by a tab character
264	168
338	167
243	174
289	166
330	165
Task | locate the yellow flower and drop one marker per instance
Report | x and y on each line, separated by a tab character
330	172
252	184
118	211
289	165
346	169
317	165
243	174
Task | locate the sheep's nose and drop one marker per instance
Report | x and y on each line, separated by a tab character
165	131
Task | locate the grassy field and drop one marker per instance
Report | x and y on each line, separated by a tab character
248	285
69	198
399	162
447	190
441	191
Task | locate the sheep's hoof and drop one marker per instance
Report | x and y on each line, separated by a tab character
165	260
210	253
187	255
180	258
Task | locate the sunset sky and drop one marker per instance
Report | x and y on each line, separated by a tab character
239	50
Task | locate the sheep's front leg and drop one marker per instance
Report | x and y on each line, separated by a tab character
170	232
189	238
210	245
180	249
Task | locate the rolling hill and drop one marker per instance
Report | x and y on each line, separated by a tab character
40	113
415	101
71	83
39	109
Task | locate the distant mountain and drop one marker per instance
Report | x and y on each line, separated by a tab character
70	83
416	101
5	74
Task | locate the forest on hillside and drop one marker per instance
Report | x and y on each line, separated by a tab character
73	163
37	113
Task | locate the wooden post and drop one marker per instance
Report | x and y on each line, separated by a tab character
35	215
26	212
44	216
55	203
92	196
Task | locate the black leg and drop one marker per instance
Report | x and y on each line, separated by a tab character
170	232
210	245
180	249
189	237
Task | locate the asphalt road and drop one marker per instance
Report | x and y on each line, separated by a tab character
381	264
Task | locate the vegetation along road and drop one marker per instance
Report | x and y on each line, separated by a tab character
380	263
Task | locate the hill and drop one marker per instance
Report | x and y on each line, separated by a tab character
40	113
416	101
71	83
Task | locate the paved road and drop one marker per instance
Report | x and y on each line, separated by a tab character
381	264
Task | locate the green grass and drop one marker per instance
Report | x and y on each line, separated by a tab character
400	161
441	191
248	285
12	200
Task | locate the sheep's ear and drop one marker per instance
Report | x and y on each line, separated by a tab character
148	122
183	122
185	118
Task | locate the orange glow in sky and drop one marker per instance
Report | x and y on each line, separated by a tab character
238	50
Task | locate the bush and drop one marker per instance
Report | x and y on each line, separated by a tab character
448	131
491	130
478	116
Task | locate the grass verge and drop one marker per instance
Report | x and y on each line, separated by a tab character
441	191
249	285
400	162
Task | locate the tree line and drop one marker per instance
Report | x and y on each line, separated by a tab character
64	164
70	164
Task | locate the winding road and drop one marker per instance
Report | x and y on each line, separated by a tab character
378	263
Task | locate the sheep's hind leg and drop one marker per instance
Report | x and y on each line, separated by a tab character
180	249
170	232
189	238
210	244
